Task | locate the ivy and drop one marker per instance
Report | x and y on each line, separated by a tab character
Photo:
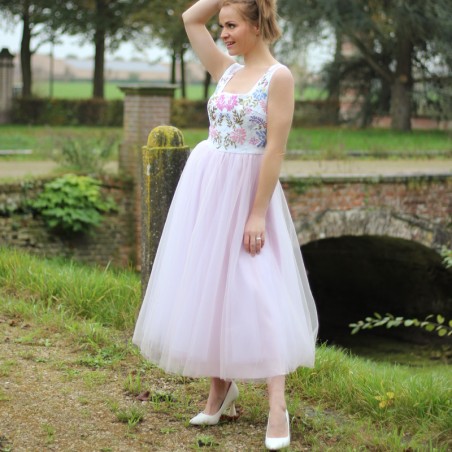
72	204
431	323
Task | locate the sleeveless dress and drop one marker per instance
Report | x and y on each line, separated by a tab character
210	308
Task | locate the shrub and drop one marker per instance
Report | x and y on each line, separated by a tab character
87	155
38	111
72	204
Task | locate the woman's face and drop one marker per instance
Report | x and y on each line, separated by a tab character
239	35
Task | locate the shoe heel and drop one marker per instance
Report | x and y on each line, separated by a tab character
231	411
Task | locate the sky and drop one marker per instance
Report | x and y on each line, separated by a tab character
316	55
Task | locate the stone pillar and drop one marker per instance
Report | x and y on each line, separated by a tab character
145	107
163	160
6	85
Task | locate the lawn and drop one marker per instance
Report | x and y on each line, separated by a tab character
68	356
195	91
314	143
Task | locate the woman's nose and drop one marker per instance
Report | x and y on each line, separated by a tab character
224	33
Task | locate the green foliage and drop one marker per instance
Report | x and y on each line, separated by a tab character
206	441
88	155
72	204
431	323
446	254
93	112
131	416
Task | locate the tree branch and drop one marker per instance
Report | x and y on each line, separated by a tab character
385	73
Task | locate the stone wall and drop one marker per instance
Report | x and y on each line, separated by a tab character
110	243
413	208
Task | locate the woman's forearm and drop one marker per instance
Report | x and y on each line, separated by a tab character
268	177
201	12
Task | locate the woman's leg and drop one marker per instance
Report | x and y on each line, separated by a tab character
217	394
277	422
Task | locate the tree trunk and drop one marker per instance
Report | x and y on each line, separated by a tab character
182	74
401	89
173	66
207	79
99	58
25	53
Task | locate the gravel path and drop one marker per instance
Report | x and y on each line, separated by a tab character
291	168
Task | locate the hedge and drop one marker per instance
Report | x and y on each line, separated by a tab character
68	112
185	114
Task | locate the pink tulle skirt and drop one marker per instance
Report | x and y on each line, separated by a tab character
210	309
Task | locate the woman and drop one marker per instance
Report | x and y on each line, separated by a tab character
228	296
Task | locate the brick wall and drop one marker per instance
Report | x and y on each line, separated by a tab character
145	107
415	208
112	242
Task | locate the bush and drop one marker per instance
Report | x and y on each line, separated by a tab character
86	155
72	204
189	114
44	111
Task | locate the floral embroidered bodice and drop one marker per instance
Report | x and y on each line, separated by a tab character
238	122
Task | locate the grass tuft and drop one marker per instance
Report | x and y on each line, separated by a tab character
108	297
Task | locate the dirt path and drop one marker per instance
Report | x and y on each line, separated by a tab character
51	401
291	168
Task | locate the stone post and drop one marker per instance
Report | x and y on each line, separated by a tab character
6	85
163	159
145	106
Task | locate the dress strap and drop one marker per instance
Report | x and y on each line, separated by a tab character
227	74
270	71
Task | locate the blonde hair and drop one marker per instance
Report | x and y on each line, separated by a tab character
261	13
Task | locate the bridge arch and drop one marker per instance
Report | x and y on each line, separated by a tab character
371	244
374	222
352	277
417	208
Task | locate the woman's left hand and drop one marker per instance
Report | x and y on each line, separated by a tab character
254	234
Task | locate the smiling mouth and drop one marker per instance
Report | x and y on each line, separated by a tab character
229	44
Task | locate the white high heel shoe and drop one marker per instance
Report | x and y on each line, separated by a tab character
278	443
228	406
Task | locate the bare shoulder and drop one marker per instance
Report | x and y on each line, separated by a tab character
282	84
282	77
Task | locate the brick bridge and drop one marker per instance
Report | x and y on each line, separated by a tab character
363	266
413	207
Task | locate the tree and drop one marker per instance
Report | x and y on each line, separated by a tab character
163	22
106	23
404	29
37	19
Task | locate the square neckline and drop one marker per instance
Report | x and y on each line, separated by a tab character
241	66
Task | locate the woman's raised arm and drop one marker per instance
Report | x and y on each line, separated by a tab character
195	20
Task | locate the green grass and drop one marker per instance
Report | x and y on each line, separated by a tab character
378	142
83	90
321	143
195	91
45	140
344	403
77	90
101	295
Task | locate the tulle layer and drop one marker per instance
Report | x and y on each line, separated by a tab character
211	309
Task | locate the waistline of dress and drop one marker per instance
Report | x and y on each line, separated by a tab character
239	150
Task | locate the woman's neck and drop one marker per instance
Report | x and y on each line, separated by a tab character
259	56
